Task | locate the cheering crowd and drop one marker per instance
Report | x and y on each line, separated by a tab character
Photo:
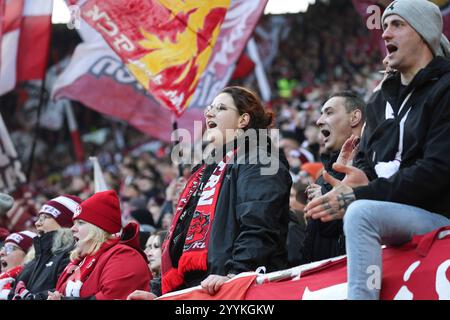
356	169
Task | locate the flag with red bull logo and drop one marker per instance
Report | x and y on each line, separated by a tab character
166	44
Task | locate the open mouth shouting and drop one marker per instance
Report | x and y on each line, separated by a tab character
391	48
326	133
211	124
4	264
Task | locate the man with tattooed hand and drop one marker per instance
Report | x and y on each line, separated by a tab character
400	185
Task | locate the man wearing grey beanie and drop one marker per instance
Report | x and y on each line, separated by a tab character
400	185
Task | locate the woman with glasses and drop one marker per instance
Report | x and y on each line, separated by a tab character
52	248
13	255
232	215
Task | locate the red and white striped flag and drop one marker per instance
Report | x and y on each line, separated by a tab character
24	40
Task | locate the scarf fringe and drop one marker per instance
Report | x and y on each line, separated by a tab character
193	261
171	280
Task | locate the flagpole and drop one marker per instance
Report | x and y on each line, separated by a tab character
74	133
177	141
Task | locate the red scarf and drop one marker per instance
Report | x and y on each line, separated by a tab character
76	272
195	250
11	273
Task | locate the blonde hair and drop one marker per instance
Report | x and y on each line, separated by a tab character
29	256
62	241
96	237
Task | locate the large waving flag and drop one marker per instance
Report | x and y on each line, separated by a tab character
240	21
98	78
24	40
166	44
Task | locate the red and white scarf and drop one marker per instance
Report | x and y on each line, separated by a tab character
76	272
6	287
195	250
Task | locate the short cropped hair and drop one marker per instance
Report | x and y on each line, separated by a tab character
352	101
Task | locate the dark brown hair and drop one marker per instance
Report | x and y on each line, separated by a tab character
247	101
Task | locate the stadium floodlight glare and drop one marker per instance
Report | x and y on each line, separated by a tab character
61	13
287	6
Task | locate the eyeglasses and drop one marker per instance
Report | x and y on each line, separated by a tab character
216	108
9	248
42	218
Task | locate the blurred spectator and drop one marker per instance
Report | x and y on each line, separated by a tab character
146	224
153	252
297	223
13	256
52	248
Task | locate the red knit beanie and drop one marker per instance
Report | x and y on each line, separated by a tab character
102	210
23	239
62	209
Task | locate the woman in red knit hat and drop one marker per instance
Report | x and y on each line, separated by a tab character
103	266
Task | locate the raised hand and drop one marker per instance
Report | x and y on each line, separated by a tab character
348	151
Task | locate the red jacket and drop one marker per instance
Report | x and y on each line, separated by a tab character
118	271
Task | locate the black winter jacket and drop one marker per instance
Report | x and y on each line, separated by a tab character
324	239
250	225
251	221
42	273
424	176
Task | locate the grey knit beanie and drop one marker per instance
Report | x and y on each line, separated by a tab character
426	18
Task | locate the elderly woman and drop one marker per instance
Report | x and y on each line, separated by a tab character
232	215
103	266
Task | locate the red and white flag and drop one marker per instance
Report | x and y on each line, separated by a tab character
24	40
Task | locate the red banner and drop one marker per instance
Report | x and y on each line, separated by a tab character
419	270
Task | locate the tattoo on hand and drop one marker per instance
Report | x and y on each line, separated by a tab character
345	199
